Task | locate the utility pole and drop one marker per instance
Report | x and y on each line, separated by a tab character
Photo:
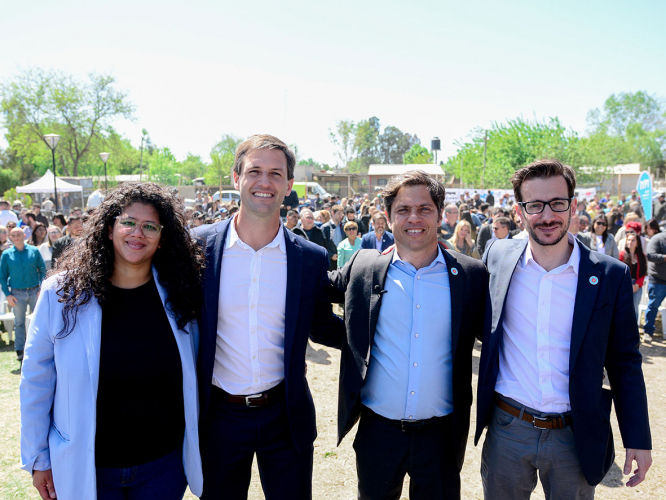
141	160
485	147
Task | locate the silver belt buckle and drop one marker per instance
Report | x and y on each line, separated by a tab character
534	421
248	399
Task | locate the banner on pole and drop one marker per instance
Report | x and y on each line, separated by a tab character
644	189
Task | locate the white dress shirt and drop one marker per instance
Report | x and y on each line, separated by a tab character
249	357
538	317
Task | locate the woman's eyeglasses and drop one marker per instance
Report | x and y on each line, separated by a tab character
150	230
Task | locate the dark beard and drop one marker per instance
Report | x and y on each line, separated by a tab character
562	234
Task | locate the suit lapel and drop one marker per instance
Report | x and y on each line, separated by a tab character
293	299
89	323
214	250
500	282
589	281
379	273
456	285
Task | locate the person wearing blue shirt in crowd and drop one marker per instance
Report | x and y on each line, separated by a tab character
22	269
379	239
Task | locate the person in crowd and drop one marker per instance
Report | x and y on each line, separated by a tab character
467	216
74	230
600	240
634	257
501	228
324	217
412	315
379	239
46	248
39	217
334	233
366	216
22	271
449	221
137	411
5	242
291	219
47	204
651	228
6	215
26	221
485	234
659	207
615	221
11	225
350	216
265	292
290	202
560	315
309	230
490	199
656	256
633	226
462	241
350	245
38	235
60	221
482	214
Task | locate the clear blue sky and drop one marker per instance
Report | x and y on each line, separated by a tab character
200	69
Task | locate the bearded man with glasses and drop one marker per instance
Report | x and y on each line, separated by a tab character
560	315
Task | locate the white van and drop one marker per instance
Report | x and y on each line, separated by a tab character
227	196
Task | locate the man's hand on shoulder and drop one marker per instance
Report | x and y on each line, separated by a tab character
643	460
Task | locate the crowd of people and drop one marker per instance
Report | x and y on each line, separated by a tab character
168	343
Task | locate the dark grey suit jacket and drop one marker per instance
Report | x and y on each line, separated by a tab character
360	284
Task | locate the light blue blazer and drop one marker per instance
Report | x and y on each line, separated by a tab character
58	390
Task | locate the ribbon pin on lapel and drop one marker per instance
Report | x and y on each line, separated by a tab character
594	280
454	271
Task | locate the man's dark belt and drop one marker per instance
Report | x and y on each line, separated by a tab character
409	425
26	289
554	422
267	398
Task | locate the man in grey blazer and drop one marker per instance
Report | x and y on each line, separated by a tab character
412	314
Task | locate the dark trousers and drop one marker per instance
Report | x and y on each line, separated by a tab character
385	453
233	434
161	479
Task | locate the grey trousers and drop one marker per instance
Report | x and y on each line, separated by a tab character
513	452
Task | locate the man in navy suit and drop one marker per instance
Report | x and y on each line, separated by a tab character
263	287
378	239
560	315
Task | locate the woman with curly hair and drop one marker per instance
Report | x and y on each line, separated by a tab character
108	388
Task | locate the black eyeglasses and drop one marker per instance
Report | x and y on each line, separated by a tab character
538	206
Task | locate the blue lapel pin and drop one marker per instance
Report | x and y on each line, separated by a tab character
454	271
594	280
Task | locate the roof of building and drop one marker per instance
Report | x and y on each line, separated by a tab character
428	168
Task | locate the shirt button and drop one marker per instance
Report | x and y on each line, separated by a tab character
254	357
418	306
410	416
416	364
416	335
412	393
418	277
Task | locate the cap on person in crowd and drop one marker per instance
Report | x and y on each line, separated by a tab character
17	204
635	226
223	210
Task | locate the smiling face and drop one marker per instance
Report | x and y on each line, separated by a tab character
54	233
463	232
546	228
40	232
263	182
307	220
134	248
631	241
414	219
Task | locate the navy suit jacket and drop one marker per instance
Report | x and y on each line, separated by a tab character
369	241
604	334
307	311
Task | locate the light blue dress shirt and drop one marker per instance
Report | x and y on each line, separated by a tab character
410	370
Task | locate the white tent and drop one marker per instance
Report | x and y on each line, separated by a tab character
45	185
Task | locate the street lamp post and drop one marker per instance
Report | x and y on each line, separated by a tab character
105	158
52	142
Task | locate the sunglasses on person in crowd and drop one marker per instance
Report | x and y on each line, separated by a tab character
149	229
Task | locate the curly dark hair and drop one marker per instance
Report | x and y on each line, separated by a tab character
87	267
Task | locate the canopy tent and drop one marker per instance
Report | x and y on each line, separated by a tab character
45	185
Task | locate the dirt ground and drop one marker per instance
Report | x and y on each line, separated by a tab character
334	467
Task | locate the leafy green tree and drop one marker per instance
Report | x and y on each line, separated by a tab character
344	138
310	163
38	102
417	155
222	156
393	144
163	167
193	167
